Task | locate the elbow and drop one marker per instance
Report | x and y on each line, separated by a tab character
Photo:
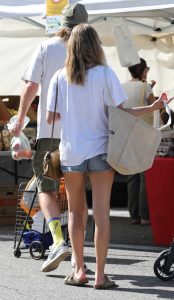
49	121
49	117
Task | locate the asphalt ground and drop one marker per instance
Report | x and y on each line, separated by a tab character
131	266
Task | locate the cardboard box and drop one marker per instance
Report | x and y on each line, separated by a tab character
7	220
167	143
11	107
8	200
4	114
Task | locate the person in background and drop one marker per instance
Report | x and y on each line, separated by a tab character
139	93
82	108
47	59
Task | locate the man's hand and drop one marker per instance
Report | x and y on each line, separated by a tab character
15	127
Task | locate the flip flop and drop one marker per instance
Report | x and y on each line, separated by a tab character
71	280
107	284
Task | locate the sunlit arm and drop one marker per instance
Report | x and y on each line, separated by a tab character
138	111
28	95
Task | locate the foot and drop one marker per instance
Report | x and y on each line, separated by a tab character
72	280
108	283
73	264
58	253
145	221
135	221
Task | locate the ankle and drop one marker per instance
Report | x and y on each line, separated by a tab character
80	273
145	221
99	279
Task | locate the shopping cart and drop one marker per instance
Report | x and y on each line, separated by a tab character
30	232
164	264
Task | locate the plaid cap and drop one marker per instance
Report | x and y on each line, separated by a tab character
73	15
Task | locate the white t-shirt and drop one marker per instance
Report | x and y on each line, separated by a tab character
83	111
47	59
133	90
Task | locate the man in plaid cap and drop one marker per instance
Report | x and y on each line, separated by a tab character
46	60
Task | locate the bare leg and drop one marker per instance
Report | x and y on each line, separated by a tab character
85	219
85	213
101	190
48	204
75	183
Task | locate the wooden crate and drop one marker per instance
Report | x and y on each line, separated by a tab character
8	201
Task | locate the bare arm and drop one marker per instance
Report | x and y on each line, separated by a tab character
138	111
28	94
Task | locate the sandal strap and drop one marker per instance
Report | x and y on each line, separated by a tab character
107	278
69	277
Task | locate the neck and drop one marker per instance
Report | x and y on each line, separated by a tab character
135	79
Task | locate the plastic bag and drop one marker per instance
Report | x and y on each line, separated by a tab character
27	198
20	145
14	119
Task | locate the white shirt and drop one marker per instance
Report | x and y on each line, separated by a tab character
47	59
83	111
133	89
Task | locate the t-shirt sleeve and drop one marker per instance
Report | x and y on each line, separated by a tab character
35	68
114	94
51	96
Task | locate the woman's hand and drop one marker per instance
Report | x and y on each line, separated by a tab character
158	104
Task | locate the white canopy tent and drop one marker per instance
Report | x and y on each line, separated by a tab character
150	22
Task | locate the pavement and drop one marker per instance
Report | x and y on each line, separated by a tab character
122	231
131	266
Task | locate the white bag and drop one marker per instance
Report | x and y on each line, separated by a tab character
127	52
20	145
29	192
132	142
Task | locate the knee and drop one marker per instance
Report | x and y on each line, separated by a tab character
101	218
75	216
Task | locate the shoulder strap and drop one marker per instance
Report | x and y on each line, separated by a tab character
54	115
142	94
106	82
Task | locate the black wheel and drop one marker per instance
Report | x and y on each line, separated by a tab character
37	250
159	267
17	253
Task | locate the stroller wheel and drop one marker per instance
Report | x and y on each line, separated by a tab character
37	250
159	267
17	253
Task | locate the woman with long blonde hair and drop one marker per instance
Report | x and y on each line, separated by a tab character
82	107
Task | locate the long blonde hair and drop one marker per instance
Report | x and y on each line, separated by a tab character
84	51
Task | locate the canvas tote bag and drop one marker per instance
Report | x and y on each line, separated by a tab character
133	143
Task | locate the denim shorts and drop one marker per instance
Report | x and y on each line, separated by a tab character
95	164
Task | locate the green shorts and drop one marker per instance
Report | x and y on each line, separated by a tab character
44	184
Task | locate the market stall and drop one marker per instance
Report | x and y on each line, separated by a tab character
151	23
